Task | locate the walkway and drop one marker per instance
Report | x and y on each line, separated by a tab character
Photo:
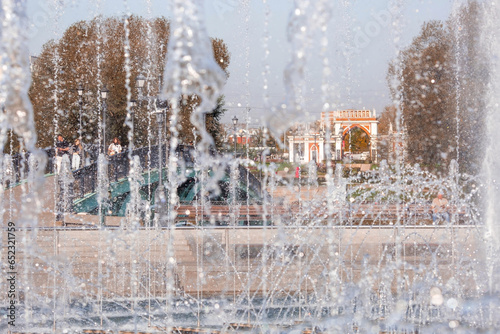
231	259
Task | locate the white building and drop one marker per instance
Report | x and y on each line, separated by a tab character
312	146
307	147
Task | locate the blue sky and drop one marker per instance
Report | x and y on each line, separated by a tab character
357	81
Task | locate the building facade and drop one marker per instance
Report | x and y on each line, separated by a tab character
341	122
307	147
314	145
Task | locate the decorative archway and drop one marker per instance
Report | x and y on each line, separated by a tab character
314	153
351	127
343	121
356	140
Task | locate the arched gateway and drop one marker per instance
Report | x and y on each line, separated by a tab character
309	146
343	121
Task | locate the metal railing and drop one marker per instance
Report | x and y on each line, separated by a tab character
19	168
118	166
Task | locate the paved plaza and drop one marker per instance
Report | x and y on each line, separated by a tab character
82	260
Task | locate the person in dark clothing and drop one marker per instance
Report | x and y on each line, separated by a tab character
62	149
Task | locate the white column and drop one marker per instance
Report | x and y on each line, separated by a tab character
321	150
306	149
338	141
373	141
291	152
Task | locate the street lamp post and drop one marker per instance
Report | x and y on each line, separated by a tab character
316	148
103	207
133	104
235	121
104	96
323	137
80	90
160	111
160	200
140	81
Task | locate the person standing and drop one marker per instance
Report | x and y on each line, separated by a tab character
77	154
62	149
115	147
439	208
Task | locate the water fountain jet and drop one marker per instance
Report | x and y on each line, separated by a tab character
366	261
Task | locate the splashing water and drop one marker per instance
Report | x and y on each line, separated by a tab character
360	254
190	68
306	20
492	162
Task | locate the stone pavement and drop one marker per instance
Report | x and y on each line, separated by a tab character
79	260
291	194
228	261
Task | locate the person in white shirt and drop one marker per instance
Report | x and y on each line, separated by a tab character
115	147
439	208
77	154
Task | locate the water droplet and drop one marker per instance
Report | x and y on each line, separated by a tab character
452	303
436	296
